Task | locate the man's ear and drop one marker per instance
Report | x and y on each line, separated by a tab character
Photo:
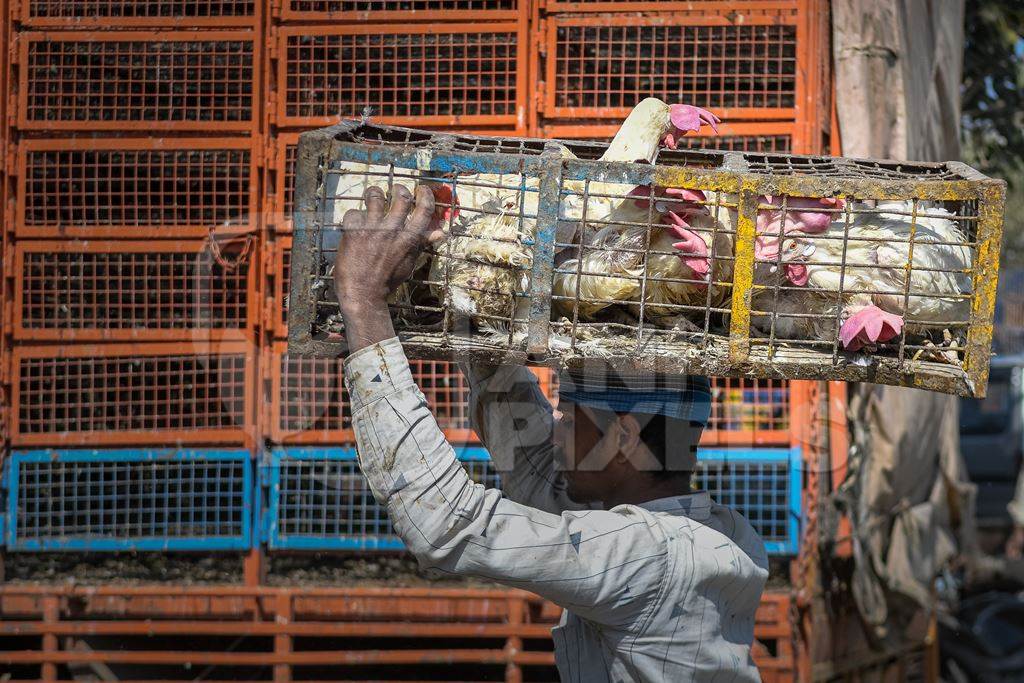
631	448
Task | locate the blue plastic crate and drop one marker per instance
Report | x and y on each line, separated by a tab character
319	500
762	484
109	500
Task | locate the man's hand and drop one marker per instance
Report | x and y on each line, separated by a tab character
377	253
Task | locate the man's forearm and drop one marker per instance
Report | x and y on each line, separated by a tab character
367	322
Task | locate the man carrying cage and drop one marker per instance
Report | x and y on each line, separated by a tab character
596	512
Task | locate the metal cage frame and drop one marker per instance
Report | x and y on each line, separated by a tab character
238	434
516	118
250	101
746	175
756	488
159	327
242	492
153	19
271	481
245	222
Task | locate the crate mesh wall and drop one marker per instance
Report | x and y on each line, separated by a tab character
313	396
328	498
86	81
325	6
708	66
760	491
747	405
130	188
131	393
130	499
132	290
89	9
401	75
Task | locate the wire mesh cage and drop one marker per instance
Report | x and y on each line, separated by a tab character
786	266
319	500
133	394
131	291
105	81
76	13
310	405
137	188
400	10
113	500
743	63
427	74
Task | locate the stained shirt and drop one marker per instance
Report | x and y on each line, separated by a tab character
662	591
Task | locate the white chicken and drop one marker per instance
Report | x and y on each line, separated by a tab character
484	266
874	307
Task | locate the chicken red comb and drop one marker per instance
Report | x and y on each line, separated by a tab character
689	118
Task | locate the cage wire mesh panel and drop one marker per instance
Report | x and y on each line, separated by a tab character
599	67
792	267
117	500
285	149
130	291
134	188
401	10
281	255
133	13
764	485
319	500
309	402
747	412
165	80
133	394
437	75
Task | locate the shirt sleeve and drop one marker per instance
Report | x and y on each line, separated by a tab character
607	566
514	420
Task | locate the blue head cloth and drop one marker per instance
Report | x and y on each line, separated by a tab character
683	397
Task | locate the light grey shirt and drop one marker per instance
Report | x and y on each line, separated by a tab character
663	591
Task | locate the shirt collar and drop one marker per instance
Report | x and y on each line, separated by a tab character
696	505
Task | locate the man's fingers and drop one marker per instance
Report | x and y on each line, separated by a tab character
422	215
375	205
352	220
401	202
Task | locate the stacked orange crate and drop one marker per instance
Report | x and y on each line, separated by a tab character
443	64
136	136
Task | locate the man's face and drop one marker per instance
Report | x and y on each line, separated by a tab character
585	460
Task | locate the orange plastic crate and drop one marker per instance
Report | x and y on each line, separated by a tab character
138	13
309	403
130	291
555	6
134	188
278	274
174	80
284	148
400	10
774	644
748	412
417	75
741	64
132	394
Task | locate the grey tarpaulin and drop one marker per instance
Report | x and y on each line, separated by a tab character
897	73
